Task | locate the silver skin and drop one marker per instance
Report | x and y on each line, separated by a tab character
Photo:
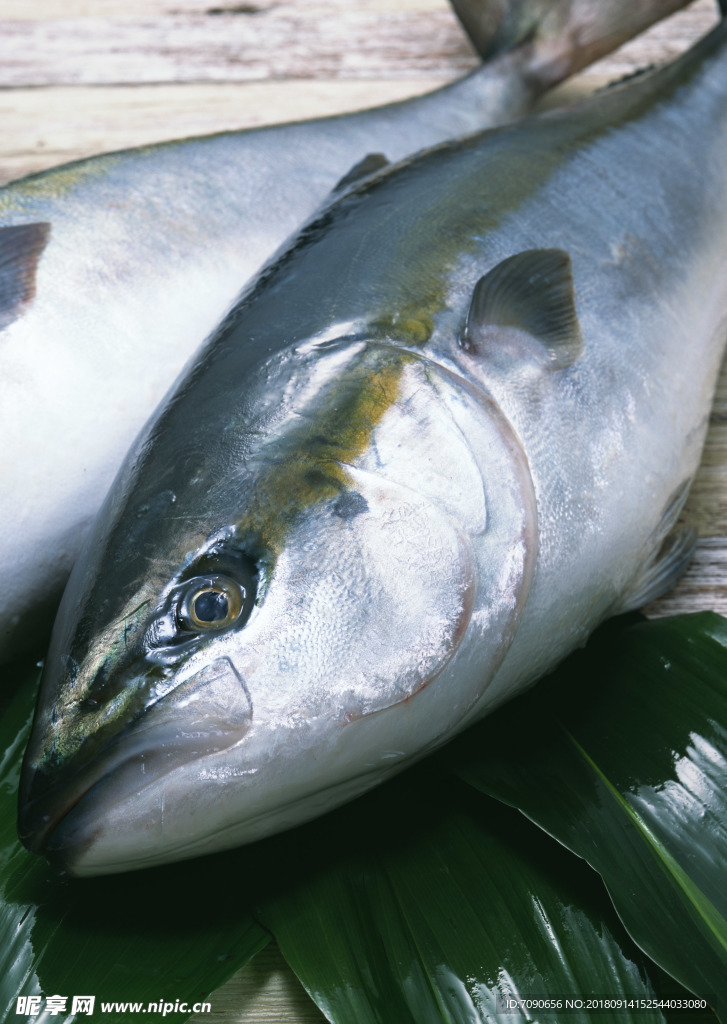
438	508
149	247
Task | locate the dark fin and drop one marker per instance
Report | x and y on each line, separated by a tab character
20	250
531	292
723	7
664	569
499	26
363	169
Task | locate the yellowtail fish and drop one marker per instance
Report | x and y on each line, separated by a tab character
113	270
439	439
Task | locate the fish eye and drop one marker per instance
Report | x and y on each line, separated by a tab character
211	602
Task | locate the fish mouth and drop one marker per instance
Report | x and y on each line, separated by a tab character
68	855
40	815
60	813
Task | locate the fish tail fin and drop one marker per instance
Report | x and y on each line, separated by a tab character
561	36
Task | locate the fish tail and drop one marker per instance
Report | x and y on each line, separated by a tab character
560	36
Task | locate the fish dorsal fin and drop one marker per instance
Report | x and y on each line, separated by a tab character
21	246
363	169
532	293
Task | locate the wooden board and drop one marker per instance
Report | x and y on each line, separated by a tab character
79	77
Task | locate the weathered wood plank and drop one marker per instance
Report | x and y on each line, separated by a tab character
283	41
231	47
707	575
47	10
42	126
264	992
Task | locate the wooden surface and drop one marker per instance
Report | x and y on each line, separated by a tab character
79	77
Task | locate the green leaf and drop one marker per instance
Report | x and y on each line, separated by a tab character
622	756
170	934
423	903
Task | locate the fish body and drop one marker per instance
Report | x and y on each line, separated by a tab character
439	439
130	260
146	250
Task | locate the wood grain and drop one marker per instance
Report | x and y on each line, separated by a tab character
79	77
264	992
219	47
53	109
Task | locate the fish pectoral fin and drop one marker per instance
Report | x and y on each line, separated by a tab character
363	169
530	293
663	570
21	246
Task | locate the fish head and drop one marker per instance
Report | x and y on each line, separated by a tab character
274	613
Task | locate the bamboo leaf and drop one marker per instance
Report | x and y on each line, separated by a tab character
422	903
622	756
160	936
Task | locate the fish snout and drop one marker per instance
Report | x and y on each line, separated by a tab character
62	807
43	800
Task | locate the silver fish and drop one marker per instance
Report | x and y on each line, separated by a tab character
113	270
439	440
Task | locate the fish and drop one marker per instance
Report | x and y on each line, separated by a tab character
113	270
439	439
